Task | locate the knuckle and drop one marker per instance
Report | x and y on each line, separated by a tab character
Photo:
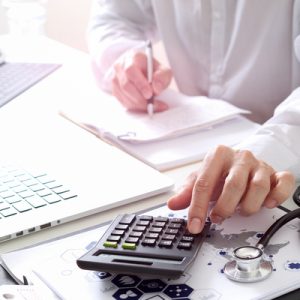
260	184
246	156
220	150
201	185
129	70
125	84
233	183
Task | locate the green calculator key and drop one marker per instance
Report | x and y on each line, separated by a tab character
129	246
109	244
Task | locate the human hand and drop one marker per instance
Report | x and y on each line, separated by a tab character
235	180
130	85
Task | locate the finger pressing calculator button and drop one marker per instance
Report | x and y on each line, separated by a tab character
109	244
127	219
129	246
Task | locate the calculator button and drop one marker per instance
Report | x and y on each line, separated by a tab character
118	232
184	245
146	218
171	231
129	246
109	244
148	242
133	240
174	226
155	229
187	239
152	235
122	227
114	238
165	244
137	234
139	228
161	219
177	220
170	237
159	224
127	219
143	223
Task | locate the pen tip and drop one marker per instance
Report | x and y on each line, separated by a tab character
150	109
148	44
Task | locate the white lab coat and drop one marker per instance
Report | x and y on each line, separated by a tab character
245	52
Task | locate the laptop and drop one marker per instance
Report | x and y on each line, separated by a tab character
49	178
17	77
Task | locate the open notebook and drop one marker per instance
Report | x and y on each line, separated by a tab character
182	134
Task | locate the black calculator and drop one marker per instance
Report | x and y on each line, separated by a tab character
145	244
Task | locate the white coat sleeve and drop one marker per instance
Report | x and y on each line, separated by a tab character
277	142
114	27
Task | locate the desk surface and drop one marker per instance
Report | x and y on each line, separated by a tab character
28	104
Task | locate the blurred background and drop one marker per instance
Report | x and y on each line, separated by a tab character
61	20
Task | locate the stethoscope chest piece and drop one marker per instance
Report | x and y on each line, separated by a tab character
248	265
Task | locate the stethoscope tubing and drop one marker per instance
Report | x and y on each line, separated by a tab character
296	196
277	225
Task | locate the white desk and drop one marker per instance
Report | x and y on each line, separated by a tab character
31	108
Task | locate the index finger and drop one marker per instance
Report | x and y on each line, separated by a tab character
213	168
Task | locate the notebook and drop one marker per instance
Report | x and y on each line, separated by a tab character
183	134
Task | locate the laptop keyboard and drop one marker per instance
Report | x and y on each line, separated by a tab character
21	191
15	78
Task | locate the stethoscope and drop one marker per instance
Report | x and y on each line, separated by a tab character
248	264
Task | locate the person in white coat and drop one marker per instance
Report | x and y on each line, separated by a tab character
244	52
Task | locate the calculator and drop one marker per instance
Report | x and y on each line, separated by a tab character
145	244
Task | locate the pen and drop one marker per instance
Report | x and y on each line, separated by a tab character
149	54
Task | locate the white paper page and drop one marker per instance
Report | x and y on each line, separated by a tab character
178	151
185	115
55	264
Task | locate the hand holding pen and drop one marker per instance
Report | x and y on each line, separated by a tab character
134	84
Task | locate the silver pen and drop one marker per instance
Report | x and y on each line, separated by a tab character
149	55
